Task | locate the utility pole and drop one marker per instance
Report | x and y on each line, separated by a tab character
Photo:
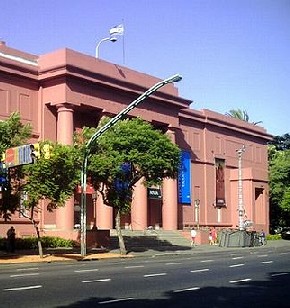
112	122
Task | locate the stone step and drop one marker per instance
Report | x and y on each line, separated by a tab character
150	239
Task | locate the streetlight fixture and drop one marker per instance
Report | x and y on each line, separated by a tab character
111	38
196	207
114	32
241	209
112	122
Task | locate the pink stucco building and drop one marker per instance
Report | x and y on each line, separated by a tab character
62	91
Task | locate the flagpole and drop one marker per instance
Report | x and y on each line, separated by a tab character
123	40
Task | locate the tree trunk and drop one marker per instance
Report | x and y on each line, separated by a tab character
40	250
122	246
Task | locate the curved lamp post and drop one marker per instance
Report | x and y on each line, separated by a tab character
111	38
113	121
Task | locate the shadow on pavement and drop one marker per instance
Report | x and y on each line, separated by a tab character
274	292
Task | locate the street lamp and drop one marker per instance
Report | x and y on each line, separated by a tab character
111	38
196	207
112	122
114	32
241	209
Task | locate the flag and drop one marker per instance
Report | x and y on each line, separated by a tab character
117	30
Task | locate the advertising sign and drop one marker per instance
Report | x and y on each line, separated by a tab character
18	156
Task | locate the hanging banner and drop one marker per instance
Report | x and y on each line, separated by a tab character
220	183
184	191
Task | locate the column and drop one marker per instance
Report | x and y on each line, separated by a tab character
104	215
65	129
169	206
139	207
169	198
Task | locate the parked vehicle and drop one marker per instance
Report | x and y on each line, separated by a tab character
285	233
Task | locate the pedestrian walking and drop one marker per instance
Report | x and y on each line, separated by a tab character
193	236
262	237
11	235
214	236
210	237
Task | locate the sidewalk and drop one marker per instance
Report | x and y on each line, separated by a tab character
54	255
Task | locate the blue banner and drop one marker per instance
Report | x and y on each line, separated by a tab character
184	191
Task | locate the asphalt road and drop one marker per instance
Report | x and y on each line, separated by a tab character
241	278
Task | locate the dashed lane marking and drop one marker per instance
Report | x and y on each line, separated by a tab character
155	275
185	290
24	288
97	280
23	275
237	265
241	280
200	270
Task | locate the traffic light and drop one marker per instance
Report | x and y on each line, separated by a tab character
3	174
35	151
46	150
3	157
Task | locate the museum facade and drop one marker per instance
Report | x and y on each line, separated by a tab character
60	92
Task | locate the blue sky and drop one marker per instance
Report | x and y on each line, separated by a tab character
231	53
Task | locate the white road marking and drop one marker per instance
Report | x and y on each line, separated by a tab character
184	290
97	280
200	270
134	266
237	258
241	280
86	270
154	275
206	261
267	262
116	300
173	263
262	256
24	288
23	275
279	274
237	265
27	269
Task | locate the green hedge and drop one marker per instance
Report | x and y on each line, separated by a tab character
31	243
273	237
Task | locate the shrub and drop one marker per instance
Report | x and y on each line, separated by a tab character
271	237
31	242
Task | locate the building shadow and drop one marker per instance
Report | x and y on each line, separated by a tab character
274	292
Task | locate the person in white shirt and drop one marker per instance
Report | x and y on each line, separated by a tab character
193	236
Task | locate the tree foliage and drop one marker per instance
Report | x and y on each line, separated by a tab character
126	153
281	143
241	115
279	171
53	175
13	133
55	178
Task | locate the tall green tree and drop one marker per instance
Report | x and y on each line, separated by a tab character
279	173
12	133
52	177
130	151
241	115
